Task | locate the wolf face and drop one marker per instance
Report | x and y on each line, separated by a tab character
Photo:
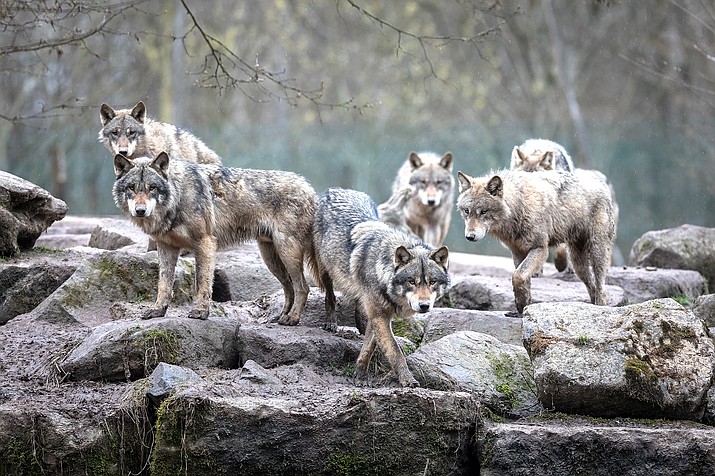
420	276
540	154
141	184
431	177
480	205
122	129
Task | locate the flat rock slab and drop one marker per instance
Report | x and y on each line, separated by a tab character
571	448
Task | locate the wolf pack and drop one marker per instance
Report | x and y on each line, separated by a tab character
388	260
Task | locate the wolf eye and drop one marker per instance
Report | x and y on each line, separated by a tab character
115	133
412	282
131	133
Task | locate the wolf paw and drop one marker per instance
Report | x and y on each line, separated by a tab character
199	313
154	312
331	327
288	320
407	380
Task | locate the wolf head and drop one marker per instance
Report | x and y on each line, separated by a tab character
431	177
420	275
540	154
122	130
140	184
480	203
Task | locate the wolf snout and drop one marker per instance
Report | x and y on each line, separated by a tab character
140	210
471	237
431	202
424	307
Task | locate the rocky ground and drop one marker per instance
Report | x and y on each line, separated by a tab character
89	388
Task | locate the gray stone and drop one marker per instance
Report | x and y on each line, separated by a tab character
443	321
166	378
26	211
650	360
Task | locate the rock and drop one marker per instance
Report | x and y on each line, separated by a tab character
23	286
442	321
166	378
308	430
648	360
116	233
704	308
105	281
69	232
26	210
130	349
499	374
275	345
487	293
641	284
257	374
684	247
569	446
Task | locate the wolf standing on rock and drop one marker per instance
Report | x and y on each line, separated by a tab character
385	270
130	133
528	212
429	211
198	207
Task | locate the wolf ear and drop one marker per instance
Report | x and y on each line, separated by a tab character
139	112
447	161
415	160
465	181
495	186
441	257
122	165
161	163
547	160
106	114
402	256
517	157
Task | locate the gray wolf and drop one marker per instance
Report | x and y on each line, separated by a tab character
131	133
384	270
429	211
203	207
392	211
540	154
528	212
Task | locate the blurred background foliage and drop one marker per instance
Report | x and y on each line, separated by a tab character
341	91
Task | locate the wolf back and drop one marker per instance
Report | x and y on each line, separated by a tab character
428	213
386	270
199	207
131	133
528	212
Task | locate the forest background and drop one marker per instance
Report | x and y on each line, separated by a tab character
341	91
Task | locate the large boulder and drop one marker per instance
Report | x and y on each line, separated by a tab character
26	210
684	247
129	349
245	428
648	360
499	374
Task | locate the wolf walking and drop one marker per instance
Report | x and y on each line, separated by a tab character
528	212
385	270
202	207
131	133
429	210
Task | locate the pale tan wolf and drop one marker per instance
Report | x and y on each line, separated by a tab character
429	210
202	207
528	212
131	133
384	270
536	155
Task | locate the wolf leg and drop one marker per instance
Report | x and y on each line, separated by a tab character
521	279
168	255
600	261
276	267
205	254
368	348
331	322
291	253
581	265
561	258
388	345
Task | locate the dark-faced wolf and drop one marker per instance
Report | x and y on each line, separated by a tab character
528	212
201	208
384	270
429	211
131	133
